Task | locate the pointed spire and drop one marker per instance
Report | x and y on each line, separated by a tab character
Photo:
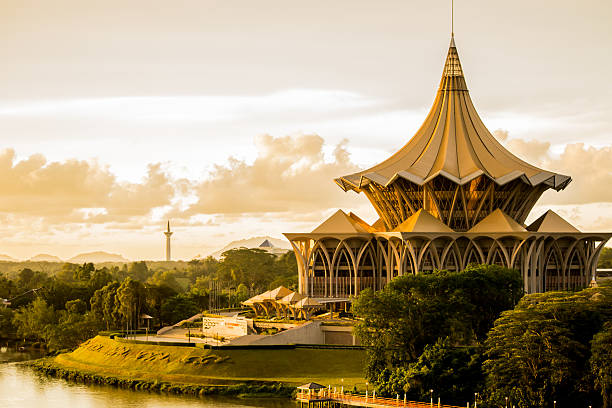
168	226
452	76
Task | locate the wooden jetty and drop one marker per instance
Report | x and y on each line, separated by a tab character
326	398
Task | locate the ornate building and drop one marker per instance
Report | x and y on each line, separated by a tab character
453	195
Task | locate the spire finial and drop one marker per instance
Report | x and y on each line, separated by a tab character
452	18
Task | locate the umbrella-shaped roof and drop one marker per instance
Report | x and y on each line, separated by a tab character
291	299
276	294
453	142
255	299
306	303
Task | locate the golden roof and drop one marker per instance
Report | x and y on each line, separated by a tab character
550	221
341	222
497	221
291	298
306	303
453	142
422	221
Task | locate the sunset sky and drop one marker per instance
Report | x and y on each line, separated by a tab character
231	118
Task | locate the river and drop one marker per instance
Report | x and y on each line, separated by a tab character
21	387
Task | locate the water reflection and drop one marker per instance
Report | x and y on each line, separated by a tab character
23	388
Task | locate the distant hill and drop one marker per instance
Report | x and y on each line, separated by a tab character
97	257
7	258
273	245
45	258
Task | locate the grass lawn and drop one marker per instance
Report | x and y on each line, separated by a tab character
104	356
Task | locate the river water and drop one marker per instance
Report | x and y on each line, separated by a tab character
21	387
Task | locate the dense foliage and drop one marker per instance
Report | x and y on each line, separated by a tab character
552	346
63	305
413	311
605	259
413	324
467	334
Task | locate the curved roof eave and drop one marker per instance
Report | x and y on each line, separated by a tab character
552	180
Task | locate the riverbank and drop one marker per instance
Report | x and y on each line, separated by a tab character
199	371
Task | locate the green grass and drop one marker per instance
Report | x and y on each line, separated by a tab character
191	365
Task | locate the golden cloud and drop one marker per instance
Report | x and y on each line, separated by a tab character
76	190
590	168
289	174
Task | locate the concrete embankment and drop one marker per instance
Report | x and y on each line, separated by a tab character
195	370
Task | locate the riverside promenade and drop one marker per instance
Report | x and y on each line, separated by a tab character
326	398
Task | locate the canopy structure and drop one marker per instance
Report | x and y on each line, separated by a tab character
452	165
311	386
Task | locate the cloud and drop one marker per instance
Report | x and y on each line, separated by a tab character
289	174
590	168
76	190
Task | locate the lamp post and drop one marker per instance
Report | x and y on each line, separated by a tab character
431	398
366	391
506	402
475	399
555	404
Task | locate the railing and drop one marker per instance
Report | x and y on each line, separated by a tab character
341	286
370	400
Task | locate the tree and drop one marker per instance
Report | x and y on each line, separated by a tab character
453	372
156	295
67	272
83	273
605	259
413	311
531	358
201	268
139	271
7	287
540	351
178	308
25	278
253	267
32	320
164	279
130	299
601	363
100	278
7	329
76	306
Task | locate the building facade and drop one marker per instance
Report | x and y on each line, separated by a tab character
452	196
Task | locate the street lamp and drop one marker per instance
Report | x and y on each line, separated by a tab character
366	390
554	404
431	399
475	399
506	402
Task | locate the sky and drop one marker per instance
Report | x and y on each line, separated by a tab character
231	118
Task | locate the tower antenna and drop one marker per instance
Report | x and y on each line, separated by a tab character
452	18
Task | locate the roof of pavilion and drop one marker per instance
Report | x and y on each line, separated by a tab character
453	142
